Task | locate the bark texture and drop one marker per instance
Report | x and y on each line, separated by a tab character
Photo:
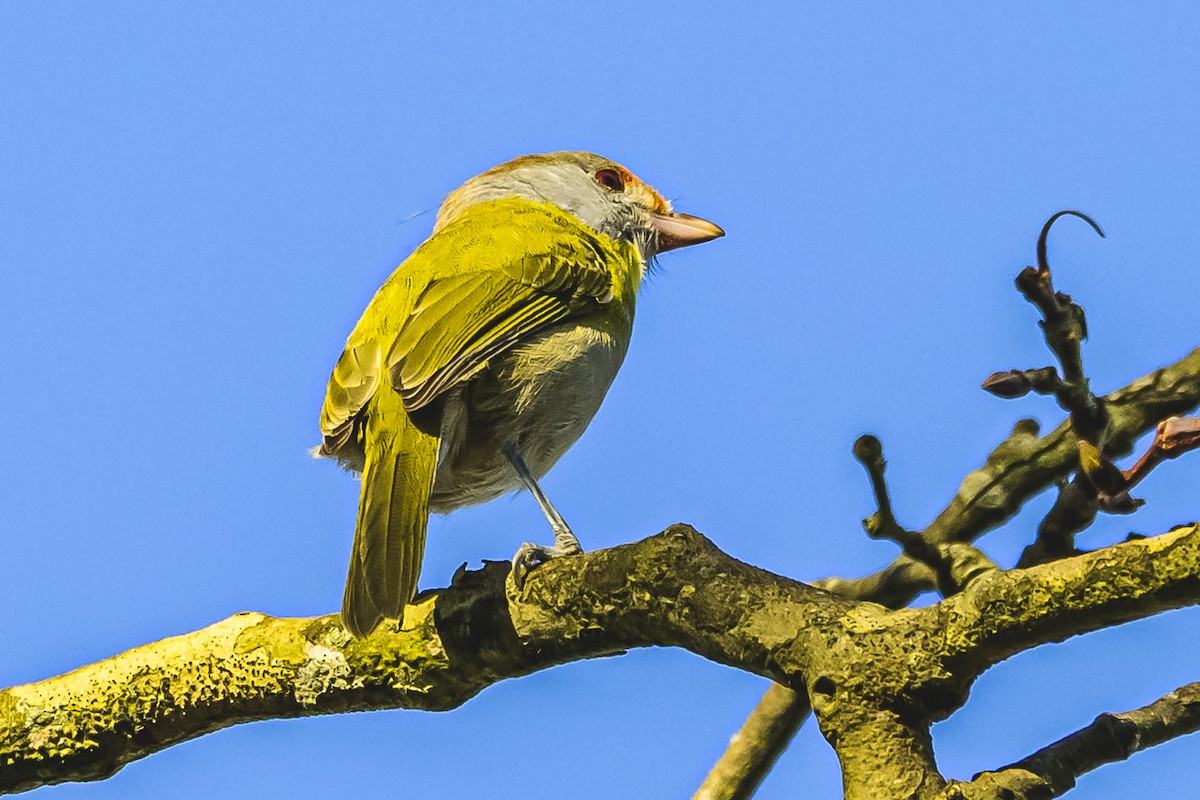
874	676
1052	771
1022	466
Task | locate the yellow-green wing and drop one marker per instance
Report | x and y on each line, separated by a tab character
354	379
498	273
539	268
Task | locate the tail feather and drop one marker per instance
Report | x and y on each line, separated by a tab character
393	511
359	614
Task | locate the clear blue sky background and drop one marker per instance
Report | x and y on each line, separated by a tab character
197	202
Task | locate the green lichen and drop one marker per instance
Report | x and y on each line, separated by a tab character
11	717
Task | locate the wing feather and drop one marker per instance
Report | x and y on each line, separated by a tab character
473	290
354	379
462	321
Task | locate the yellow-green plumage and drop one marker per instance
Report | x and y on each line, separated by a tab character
486	354
475	296
389	541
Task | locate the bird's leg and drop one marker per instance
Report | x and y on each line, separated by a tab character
529	555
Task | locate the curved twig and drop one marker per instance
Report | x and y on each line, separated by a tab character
1043	263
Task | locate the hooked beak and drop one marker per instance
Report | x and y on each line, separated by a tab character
680	230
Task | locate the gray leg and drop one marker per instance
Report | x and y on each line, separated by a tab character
529	555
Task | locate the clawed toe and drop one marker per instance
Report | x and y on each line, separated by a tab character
530	555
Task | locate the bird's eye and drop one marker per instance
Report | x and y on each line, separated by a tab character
610	179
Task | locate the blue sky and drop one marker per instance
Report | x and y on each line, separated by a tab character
197	201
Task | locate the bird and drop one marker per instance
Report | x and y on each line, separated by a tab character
485	355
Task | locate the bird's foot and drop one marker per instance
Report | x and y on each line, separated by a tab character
530	555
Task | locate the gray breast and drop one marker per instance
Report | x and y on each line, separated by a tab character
539	397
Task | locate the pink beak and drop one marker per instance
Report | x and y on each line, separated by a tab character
680	230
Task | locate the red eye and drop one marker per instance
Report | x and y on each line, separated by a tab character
610	179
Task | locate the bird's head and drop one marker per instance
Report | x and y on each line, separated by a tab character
601	193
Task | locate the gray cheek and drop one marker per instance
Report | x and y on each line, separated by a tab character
598	212
572	189
568	186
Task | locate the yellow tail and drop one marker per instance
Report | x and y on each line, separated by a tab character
393	511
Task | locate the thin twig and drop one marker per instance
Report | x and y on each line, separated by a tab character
755	748
883	525
1053	770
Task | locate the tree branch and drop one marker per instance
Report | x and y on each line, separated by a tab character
1020	467
1023	466
883	525
870	672
1052	771
676	588
754	749
1065	598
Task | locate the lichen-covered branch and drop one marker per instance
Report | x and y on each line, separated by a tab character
940	650
672	589
1052	771
1004	611
871	674
1020	467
